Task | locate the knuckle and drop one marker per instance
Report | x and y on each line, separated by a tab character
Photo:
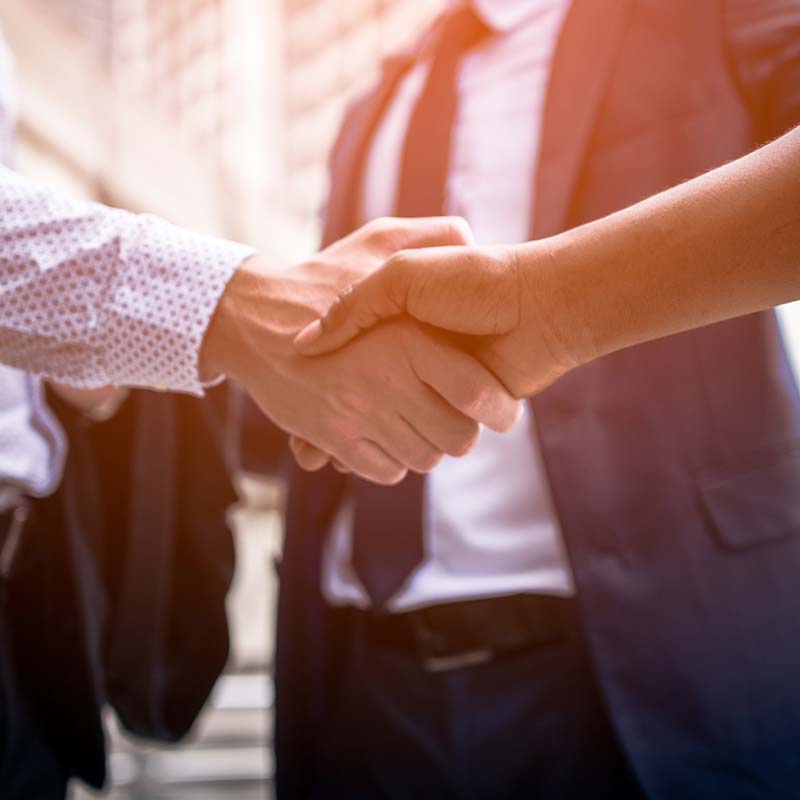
398	261
399	273
379	227
475	399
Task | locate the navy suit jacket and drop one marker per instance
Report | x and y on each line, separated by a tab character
675	465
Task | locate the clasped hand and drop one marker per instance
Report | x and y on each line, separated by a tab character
505	306
399	397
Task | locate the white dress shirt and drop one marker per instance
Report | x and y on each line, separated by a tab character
489	525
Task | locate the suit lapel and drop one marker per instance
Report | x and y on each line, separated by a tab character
350	152
582	64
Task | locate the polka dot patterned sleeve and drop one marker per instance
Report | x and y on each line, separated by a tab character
94	296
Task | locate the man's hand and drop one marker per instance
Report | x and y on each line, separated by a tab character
483	292
419	392
376	410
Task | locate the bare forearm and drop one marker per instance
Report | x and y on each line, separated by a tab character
722	245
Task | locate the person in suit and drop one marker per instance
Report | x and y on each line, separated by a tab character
601	603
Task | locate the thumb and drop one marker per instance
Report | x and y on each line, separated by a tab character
380	295
413	233
384	293
459	289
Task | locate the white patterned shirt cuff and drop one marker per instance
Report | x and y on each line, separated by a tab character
92	296
171	281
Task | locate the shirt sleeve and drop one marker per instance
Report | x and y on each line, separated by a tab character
91	295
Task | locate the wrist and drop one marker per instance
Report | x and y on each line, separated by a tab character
247	306
553	302
261	311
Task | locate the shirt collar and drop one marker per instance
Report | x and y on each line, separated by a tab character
503	15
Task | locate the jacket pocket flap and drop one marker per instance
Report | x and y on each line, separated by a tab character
756	501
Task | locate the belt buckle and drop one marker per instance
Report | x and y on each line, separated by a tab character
10	546
433	652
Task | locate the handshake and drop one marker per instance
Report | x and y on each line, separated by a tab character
393	346
390	348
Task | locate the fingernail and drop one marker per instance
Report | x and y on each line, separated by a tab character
308	335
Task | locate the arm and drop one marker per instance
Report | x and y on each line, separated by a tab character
374	415
93	296
724	244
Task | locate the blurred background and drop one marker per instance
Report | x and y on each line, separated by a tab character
218	115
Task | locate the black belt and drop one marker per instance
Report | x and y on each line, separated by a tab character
460	634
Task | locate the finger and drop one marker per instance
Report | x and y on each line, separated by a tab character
312	459
454	288
371	462
391	234
307	456
467	385
401	440
447	429
382	294
379	296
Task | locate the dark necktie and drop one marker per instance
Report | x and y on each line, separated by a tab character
387	525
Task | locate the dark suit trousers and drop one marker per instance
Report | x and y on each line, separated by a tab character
530	724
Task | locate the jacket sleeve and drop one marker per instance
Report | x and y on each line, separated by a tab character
763	42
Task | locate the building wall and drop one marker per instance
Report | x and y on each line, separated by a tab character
213	113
